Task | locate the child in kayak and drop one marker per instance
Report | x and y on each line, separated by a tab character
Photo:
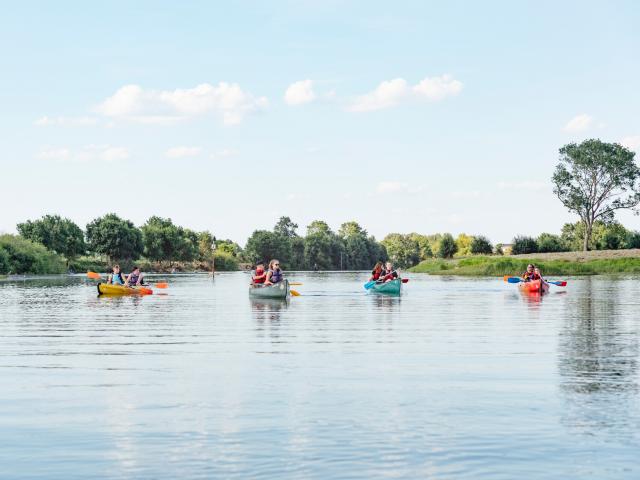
536	274
274	274
135	278
115	278
528	275
388	273
259	275
375	273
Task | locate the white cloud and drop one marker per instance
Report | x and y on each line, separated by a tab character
579	123
61	154
525	185
438	88
632	142
88	153
181	152
386	95
391	92
392	187
66	121
225	153
134	103
300	93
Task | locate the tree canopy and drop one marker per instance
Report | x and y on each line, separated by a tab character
594	179
57	234
114	237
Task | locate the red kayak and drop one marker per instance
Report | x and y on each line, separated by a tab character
534	286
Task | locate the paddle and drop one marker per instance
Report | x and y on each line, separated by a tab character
294	293
295	283
97	276
509	279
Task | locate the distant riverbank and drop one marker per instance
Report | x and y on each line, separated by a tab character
562	263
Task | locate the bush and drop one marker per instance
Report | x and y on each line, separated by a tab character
632	240
548	242
4	262
24	256
522	245
481	246
225	262
448	247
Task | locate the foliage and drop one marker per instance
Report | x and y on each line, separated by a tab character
286	227
499	250
206	241
403	250
164	241
424	243
360	251
225	261
523	244
58	234
463	242
322	247
264	245
595	179
19	255
548	242
114	237
447	247
481	246
632	240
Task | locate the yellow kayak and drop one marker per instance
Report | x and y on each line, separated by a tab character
114	289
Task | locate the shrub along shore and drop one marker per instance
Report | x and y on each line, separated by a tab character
600	262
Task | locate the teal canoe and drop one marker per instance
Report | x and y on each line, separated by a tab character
390	288
279	290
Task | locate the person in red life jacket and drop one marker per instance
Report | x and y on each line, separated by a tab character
375	273
388	273
274	274
536	274
259	275
528	275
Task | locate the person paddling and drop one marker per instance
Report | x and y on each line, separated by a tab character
135	278
528	275
274	274
115	278
375	273
259	276
388	273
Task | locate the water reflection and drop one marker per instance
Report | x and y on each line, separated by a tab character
597	356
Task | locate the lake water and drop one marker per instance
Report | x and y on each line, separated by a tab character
458	378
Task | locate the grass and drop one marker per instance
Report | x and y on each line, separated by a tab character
498	266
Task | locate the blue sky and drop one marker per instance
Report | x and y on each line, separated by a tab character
403	116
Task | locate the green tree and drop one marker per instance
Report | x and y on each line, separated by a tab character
499	249
595	179
523	244
403	250
463	242
164	241
286	227
264	245
424	244
19	255
206	242
548	242
114	237
322	248
447	247
632	240
360	250
481	246
609	236
60	235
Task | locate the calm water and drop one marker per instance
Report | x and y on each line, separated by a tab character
458	378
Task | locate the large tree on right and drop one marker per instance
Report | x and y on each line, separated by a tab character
594	179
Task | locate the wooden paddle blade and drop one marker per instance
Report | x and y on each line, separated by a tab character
295	283
94	275
294	293
162	285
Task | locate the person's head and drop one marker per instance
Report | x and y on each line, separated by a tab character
537	270
274	264
260	267
530	268
136	270
377	267
116	269
389	266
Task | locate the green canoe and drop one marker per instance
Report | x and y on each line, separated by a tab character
391	288
279	290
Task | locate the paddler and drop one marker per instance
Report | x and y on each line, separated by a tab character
115	278
388	273
135	278
274	274
259	275
528	275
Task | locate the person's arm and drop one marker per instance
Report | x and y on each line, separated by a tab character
126	281
267	280
109	278
140	277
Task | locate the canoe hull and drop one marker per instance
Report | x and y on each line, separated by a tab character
109	289
535	286
393	287
278	291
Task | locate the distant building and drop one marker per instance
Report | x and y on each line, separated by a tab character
507	248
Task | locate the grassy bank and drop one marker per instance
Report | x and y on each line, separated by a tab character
580	264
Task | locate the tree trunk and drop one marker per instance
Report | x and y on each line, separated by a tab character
588	227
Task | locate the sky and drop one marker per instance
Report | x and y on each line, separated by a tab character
403	116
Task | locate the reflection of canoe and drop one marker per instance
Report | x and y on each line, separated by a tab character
392	287
534	286
279	290
110	289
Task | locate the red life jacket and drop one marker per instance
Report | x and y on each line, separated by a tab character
259	277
